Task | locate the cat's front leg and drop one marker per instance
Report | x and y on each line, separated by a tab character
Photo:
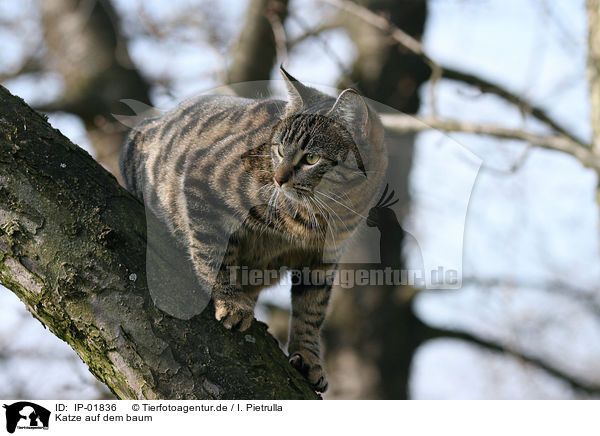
309	306
233	307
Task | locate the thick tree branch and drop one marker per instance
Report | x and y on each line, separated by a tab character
408	123
439	71
73	249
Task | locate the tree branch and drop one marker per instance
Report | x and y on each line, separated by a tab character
439	71
73	249
406	123
312	33
586	298
593	70
575	382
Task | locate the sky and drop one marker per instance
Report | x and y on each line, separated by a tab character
535	226
531	227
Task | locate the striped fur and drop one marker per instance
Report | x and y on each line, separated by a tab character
207	169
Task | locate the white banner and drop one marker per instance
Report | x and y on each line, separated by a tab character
446	418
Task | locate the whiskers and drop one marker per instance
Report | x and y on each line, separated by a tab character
312	217
325	211
272	207
271	204
316	205
330	213
320	216
340	203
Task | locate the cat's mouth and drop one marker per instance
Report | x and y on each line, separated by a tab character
295	192
290	193
303	189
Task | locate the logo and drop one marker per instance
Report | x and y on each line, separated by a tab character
26	415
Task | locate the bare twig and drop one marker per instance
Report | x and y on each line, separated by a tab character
318	34
587	298
484	85
381	23
593	68
436	74
576	383
406	123
312	33
526	107
272	14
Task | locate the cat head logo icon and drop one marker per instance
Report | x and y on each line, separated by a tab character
26	415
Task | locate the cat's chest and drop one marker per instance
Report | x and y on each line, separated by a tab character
264	250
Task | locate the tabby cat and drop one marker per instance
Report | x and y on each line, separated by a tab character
262	184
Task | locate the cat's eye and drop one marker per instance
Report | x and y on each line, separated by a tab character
312	158
280	149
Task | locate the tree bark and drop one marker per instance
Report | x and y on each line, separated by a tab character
73	249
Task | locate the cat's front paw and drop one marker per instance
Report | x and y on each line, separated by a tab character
235	313
310	367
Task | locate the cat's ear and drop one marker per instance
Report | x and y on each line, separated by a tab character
352	111
299	95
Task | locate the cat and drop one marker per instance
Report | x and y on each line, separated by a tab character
262	184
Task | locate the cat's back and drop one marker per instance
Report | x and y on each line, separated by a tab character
209	127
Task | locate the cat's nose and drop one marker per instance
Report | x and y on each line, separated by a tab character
280	180
282	175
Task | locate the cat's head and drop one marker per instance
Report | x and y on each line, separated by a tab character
325	148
